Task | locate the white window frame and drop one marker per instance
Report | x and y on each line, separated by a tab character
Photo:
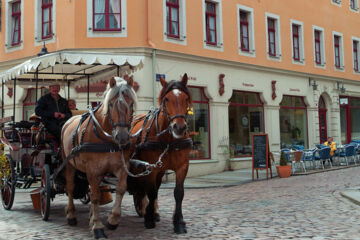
322	46
301	42
341	50
358	55
8	30
336	2
89	20
219	24
250	16
356	6
277	37
182	24
38	21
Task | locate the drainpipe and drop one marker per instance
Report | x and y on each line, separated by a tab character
152	45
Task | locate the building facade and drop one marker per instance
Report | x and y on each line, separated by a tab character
288	70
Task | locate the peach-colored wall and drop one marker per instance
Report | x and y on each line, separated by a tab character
71	31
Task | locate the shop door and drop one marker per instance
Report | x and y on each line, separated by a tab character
322	120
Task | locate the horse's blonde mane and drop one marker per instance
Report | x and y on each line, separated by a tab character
120	88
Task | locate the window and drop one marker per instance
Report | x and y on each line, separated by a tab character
293	123
354	5
210	16
297	41
246	118
106	18
16	23
349	118
246	30
356	55
338	51
319	47
174	21
336	2
199	124
46	20
172	18
212	25
273	36
107	15
296	52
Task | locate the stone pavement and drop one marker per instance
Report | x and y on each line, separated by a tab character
300	207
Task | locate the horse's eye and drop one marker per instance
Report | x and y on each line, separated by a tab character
111	105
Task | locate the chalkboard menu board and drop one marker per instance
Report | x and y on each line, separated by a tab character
260	151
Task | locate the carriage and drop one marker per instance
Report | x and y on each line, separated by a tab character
31	154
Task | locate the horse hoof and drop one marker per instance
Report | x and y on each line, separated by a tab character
72	221
99	233
111	226
180	228
157	217
149	224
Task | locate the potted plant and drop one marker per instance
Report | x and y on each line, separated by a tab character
284	170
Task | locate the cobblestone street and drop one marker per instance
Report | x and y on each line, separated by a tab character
299	207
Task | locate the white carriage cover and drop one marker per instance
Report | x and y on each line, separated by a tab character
75	67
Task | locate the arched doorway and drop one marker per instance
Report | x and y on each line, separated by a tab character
322	120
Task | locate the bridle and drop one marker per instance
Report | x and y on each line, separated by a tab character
120	123
170	119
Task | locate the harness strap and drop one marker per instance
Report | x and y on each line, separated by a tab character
97	123
176	145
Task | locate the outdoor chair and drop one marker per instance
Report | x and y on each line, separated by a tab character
309	156
298	159
347	153
324	156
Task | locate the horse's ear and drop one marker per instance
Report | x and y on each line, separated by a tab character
184	79
163	81
130	81
112	82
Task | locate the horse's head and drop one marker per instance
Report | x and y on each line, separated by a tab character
119	106
175	100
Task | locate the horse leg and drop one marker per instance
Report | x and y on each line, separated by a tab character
178	221
151	191
114	217
156	205
95	223
70	186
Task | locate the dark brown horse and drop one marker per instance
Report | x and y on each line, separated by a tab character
162	140
100	138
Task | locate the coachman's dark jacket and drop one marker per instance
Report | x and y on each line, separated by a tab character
47	106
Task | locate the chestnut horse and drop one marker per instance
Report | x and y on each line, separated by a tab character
94	144
162	140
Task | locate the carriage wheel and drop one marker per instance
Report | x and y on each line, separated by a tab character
86	198
45	192
7	182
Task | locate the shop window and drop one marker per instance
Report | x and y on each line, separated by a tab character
198	122
293	122
349	118
246	30
246	118
106	18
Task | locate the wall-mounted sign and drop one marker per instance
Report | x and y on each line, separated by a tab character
248	85
344	101
158	77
